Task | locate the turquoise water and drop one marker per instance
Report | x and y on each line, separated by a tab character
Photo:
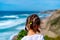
11	24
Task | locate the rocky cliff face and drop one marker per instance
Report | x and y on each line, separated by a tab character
54	22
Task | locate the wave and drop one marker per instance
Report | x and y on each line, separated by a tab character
24	14
10	16
11	23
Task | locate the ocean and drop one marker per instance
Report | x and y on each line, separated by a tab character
11	22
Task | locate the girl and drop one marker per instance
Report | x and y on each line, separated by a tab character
33	28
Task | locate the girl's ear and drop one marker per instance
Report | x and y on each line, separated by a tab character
26	29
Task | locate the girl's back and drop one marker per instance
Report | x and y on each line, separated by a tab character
33	37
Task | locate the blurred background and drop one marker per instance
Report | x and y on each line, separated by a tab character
13	14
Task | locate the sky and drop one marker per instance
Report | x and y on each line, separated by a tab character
29	5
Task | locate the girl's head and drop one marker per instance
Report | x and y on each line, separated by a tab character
33	23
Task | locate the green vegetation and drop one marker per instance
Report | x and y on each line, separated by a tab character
49	38
23	33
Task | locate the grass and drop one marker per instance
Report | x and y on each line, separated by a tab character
50	38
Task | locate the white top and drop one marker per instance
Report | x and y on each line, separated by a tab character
33	37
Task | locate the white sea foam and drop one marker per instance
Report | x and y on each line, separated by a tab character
24	15
11	23
40	16
10	16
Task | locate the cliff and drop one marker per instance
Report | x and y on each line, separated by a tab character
54	22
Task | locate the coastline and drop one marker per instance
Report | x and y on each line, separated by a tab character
44	28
